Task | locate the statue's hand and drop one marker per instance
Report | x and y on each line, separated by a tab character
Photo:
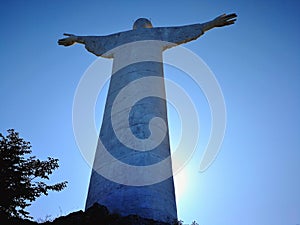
224	20
71	39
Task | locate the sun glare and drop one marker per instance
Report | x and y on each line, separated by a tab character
180	180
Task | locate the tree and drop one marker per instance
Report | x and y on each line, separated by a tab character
21	176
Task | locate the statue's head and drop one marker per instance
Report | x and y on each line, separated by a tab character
142	23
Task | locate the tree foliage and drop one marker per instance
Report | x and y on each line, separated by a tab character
21	176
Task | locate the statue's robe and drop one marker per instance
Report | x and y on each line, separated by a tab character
136	55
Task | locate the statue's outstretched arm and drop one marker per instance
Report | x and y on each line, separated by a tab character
184	34
97	45
220	21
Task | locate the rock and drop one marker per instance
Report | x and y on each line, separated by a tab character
95	215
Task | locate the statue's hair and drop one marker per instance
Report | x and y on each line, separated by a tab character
142	23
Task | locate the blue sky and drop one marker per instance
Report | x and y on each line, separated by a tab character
255	178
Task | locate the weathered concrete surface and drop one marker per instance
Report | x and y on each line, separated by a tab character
155	201
136	57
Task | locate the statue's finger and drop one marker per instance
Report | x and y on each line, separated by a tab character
230	16
224	14
68	34
229	22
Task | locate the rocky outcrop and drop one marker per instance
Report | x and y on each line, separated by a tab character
95	215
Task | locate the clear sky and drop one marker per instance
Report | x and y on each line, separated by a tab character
255	178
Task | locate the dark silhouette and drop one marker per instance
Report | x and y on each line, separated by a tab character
21	176
95	215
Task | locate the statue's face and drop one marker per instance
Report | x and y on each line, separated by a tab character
142	23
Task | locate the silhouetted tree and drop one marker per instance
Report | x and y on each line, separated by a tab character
21	176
